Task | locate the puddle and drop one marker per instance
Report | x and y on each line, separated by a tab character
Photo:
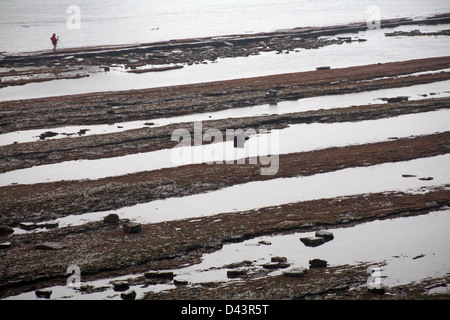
296	138
417	92
385	177
378	49
409	249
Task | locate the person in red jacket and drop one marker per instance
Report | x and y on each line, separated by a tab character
54	41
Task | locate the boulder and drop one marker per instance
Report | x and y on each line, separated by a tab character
50	246
296	272
312	241
112	218
132	227
327	235
317	263
129	295
121	285
43	293
5	230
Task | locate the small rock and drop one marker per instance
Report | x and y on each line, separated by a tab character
236	273
5	230
317	263
111	218
179	282
82	131
50	225
323	68
276	265
129	295
266	243
43	294
50	246
28	226
132	227
397	99
121	285
159	275
327	235
408	175
426	178
296	272
47	134
278	259
312	241
5	245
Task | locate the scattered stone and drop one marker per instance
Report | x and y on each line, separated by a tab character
296	272
312	241
236	273
105	68
317	263
278	259
121	285
149	124
159	275
5	230
408	175
129	295
82	131
426	178
419	256
111	218
28	226
323	68
276	265
43	294
397	99
179	282
50	246
47	134
327	235
266	243
49	225
5	245
132	227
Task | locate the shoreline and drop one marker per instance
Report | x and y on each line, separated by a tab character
104	250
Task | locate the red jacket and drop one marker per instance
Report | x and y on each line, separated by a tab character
54	39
